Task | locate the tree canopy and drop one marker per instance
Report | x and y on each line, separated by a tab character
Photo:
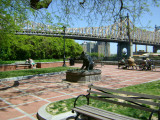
92	10
21	47
65	10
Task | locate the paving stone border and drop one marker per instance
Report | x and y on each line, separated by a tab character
30	76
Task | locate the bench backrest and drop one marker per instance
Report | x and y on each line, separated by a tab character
134	100
156	62
20	62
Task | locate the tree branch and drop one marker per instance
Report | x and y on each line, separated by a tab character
121	5
37	4
81	3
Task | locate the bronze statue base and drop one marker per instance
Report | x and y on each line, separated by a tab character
83	75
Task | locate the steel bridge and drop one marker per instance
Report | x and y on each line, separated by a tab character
122	31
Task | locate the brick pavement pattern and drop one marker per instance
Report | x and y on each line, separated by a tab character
21	100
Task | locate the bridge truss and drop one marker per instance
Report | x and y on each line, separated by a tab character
117	32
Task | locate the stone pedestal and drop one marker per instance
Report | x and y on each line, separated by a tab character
83	75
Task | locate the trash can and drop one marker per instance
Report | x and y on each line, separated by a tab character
71	61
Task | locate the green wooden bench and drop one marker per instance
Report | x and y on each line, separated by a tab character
22	65
126	99
156	64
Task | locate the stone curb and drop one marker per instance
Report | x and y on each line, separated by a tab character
43	115
29	76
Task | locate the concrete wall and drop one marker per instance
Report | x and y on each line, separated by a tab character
10	67
7	67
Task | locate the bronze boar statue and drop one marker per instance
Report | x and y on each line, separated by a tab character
87	61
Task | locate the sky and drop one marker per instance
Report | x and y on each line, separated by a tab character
146	20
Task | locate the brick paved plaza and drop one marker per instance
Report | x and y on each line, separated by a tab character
21	100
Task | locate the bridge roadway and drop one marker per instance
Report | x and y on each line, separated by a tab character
89	37
117	32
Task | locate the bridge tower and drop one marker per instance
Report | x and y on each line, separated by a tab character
127	45
156	47
121	46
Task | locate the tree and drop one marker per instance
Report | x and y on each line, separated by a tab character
38	4
12	14
39	47
103	10
65	10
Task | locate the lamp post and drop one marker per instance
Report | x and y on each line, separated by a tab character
64	62
130	51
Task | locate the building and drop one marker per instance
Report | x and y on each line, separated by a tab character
84	46
102	48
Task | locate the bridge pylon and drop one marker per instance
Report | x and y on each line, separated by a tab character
127	45
121	46
156	48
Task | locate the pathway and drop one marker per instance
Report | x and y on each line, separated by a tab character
21	100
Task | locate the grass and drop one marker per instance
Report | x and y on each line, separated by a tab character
152	88
7	62
42	60
7	74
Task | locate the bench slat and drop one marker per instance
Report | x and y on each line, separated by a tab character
89	114
100	114
124	98
125	104
124	92
127	99
107	113
23	65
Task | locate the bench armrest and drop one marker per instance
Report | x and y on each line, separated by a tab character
150	116
79	97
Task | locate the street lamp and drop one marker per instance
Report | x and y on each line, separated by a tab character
64	63
129	37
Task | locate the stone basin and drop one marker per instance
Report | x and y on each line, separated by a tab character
83	75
